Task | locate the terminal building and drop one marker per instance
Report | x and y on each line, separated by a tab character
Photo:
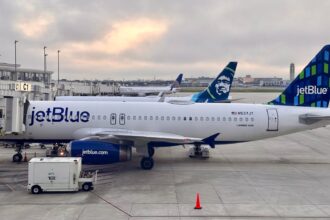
23	82
35	84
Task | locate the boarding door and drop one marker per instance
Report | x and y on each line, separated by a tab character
272	119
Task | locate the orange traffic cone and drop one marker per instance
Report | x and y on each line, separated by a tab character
198	204
25	158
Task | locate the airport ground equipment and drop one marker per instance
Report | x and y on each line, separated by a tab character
58	174
199	151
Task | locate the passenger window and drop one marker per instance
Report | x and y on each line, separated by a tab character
229	118
173	118
168	118
190	118
184	118
224	119
156	118
99	117
196	118
145	118
134	118
179	118
246	119
212	119
140	117
1	113
201	119
104	117
128	117
162	118
207	118
151	118
235	119
240	119
252	119
218	118
93	117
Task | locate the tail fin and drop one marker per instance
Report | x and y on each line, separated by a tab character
177	82
220	87
311	87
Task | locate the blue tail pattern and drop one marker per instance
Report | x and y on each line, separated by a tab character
219	89
311	86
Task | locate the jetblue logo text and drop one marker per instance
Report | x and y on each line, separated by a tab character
58	114
311	90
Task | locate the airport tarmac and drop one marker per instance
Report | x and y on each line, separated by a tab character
286	177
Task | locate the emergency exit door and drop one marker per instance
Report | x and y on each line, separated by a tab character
272	119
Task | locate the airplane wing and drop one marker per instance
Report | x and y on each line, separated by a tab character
312	118
120	135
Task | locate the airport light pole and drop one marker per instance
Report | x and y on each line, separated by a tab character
45	60
58	67
15	42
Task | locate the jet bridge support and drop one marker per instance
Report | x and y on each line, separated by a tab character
12	115
12	120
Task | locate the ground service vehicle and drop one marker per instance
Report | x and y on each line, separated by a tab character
55	174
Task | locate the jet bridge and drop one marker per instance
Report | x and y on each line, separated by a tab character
12	115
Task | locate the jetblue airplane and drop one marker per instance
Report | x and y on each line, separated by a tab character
149	90
111	129
217	91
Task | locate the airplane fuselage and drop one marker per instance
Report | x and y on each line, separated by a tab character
62	121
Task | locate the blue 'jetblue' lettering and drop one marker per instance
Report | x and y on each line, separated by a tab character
58	114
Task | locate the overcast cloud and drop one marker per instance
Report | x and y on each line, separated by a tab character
158	39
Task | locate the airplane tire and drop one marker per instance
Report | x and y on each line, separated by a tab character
36	189
147	163
17	157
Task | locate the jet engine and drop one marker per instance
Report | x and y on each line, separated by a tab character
99	152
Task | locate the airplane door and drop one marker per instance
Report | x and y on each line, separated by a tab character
122	119
113	117
272	119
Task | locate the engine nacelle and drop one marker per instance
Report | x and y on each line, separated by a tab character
99	152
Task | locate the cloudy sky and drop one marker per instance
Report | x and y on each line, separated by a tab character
146	39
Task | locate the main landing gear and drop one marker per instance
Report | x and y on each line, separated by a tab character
147	163
199	151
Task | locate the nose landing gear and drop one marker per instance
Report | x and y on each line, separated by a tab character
18	156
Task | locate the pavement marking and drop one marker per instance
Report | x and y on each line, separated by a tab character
11	188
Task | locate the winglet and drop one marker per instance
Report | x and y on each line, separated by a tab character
210	140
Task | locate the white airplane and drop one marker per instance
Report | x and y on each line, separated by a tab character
217	91
150	90
111	129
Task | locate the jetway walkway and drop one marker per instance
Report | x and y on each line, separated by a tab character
12	115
